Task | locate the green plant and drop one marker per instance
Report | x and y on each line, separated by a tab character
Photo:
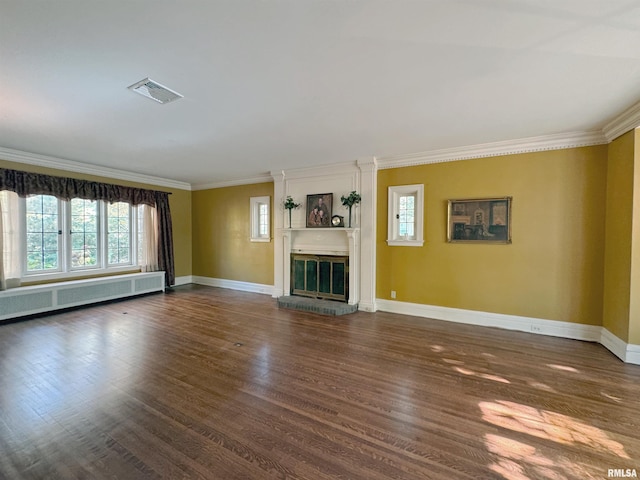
289	204
351	200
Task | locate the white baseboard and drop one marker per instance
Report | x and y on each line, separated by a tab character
633	354
553	328
186	280
614	344
628	353
234	285
367	307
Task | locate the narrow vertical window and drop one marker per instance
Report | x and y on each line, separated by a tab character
260	215
43	245
263	222
119	233
84	233
407	220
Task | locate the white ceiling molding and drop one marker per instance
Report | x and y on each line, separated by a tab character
627	120
510	147
233	183
315	171
78	167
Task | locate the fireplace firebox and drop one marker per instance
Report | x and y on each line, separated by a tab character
320	276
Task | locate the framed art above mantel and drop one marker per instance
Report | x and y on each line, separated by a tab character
319	210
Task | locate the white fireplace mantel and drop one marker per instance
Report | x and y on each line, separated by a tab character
357	242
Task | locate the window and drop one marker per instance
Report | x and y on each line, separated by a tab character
84	234
406	216
61	237
43	228
263	220
119	234
260	219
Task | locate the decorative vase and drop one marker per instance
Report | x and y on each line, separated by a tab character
350	216
289	218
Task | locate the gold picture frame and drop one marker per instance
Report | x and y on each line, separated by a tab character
479	220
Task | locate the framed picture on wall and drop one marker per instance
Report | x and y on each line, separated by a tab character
319	210
479	220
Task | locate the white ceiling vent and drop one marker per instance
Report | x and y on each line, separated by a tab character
154	91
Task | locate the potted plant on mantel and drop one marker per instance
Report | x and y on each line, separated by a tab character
289	204
352	199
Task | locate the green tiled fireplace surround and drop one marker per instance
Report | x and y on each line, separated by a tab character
320	276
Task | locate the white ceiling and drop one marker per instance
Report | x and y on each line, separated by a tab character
278	84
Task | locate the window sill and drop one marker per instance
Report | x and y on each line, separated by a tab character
37	278
405	243
263	240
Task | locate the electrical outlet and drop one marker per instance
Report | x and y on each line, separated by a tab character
535	328
393	294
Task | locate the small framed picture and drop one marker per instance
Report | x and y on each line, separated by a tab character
479	220
319	210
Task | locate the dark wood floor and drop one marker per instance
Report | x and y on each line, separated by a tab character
215	384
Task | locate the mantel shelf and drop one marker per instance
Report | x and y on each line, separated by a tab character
327	229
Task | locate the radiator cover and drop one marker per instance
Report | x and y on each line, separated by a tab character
22	301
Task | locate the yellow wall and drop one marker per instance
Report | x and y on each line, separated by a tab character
554	267
634	303
221	232
617	273
179	203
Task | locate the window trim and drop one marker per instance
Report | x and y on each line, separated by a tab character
393	234
254	203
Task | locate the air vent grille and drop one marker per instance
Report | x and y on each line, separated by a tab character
155	91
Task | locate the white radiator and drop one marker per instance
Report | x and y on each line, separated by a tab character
21	301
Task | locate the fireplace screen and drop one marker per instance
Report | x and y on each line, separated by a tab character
320	276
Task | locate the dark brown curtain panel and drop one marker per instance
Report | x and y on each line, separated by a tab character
25	183
165	237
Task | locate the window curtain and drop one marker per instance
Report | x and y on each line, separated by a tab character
25	183
10	244
147	238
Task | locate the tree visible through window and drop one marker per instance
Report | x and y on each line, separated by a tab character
119	233
84	233
62	236
42	229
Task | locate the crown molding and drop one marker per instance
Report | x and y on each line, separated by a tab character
328	169
627	120
510	147
233	183
78	167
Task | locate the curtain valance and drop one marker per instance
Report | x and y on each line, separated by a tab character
26	183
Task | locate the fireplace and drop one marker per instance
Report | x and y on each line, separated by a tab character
320	276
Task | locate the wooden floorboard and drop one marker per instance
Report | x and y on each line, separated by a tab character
207	383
